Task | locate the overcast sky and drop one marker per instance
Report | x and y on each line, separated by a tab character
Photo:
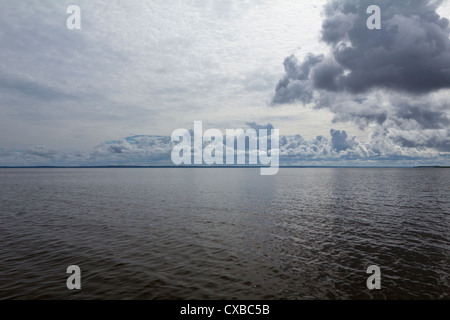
113	92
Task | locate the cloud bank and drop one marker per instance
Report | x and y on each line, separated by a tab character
335	148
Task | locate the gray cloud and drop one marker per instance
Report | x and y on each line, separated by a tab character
362	116
386	78
32	89
295	84
418	140
257	126
134	150
425	118
340	140
411	52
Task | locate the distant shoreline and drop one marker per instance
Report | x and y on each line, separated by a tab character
212	167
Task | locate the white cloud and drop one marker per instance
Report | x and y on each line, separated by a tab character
336	148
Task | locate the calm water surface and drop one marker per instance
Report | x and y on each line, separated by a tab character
224	233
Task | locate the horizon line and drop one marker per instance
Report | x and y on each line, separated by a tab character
206	166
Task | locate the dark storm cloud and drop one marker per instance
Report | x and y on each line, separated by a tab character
295	84
386	77
411	53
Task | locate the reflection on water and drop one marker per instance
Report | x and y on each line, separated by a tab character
224	233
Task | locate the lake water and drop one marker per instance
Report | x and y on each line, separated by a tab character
171	233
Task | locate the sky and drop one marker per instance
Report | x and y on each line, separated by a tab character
114	91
